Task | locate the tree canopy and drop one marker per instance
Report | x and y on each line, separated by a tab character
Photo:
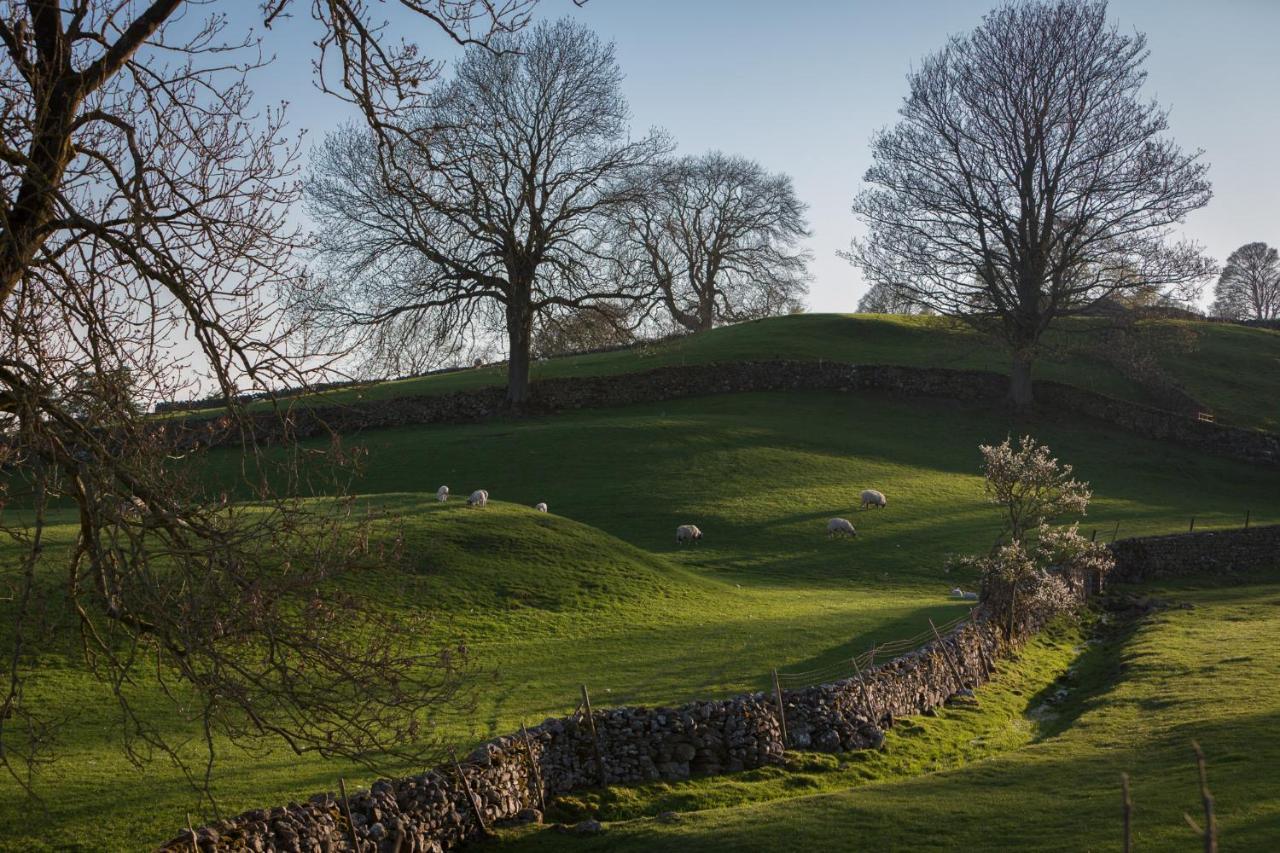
1029	178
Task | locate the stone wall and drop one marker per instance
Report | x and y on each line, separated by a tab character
667	383
433	811
1208	552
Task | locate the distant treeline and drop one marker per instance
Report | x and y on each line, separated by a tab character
219	401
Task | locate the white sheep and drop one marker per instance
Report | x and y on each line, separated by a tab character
688	533
442	494
840	527
540	506
957	592
478	498
871	497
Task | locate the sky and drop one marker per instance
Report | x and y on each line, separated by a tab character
802	85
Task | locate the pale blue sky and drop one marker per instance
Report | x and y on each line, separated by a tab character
801	86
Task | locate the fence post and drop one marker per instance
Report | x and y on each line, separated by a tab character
346	807
595	736
1246	519
1115	532
471	797
1094	537
1127	812
782	714
866	694
946	654
1192	528
533	767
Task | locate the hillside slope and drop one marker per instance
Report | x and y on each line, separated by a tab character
598	593
1135	701
1234	371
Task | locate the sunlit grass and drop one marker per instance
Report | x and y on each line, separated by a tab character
598	593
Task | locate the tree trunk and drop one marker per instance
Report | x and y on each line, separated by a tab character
1020	381
520	340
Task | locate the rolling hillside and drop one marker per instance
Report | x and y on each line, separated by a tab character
598	593
1234	371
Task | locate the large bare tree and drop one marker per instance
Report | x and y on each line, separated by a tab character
143	240
488	212
716	239
1029	178
1249	286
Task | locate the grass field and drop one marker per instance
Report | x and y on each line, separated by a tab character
1233	370
598	593
1136	699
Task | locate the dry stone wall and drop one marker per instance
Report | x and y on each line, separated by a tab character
507	776
668	383
1208	552
433	811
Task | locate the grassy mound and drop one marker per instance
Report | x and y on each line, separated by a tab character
598	593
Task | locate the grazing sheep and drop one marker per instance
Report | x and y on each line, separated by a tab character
871	497
957	592
442	494
478	498
688	533
840	527
540	506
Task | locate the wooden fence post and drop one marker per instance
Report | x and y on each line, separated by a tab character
1192	528
1094	537
533	767
595	736
946	655
782	714
471	797
1210	822
1115	532
346	808
866	694
1126	812
1246	519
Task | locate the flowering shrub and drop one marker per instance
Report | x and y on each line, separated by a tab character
1042	568
1030	485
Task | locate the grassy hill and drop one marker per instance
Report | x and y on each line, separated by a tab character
1233	370
597	592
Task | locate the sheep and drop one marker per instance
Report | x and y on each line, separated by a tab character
688	533
957	592
478	498
840	527
442	494
540	506
871	497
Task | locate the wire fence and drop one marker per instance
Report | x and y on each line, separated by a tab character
878	653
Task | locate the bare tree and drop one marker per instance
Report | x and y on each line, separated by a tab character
597	326
885	298
489	211
1028	179
1249	286
715	239
143	240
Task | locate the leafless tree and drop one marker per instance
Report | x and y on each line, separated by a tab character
488	211
885	298
715	238
1028	179
1249	286
597	326
143	241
